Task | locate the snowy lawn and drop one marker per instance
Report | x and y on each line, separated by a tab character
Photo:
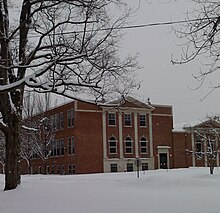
182	190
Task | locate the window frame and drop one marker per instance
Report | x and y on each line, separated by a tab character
113	167
61	120
144	166
72	117
142	122
112	140
68	118
127	147
111	119
197	151
71	147
130	167
127	120
62	147
143	140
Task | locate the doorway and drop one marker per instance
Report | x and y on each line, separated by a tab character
163	161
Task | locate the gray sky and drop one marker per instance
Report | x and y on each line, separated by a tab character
163	82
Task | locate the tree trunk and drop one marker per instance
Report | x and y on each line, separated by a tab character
12	174
211	170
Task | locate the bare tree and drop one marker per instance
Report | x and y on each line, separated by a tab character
37	133
44	140
28	146
67	47
206	142
2	151
201	38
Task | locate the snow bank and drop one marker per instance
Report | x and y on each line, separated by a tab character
183	190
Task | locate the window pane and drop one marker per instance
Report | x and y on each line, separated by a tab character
129	167
128	145
128	150
112	145
69	146
127	119
72	117
111	119
198	147
142	120
68	118
113	150
143	145
61	147
57	147
144	166
114	167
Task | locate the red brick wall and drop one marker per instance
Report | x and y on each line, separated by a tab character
89	142
181	143
87	133
162	125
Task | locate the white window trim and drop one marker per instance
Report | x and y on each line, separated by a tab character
130	120
113	113
116	141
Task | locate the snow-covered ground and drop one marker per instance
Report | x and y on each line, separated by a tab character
190	190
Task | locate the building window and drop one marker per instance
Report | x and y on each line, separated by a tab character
111	119
114	167
61	120
57	148
71	149
128	145
112	145
130	167
144	166
62	146
143	145
198	146
71	169
198	149
142	120
127	119
70	118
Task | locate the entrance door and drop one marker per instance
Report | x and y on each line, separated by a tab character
163	161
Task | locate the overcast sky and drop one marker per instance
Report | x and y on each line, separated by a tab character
163	82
